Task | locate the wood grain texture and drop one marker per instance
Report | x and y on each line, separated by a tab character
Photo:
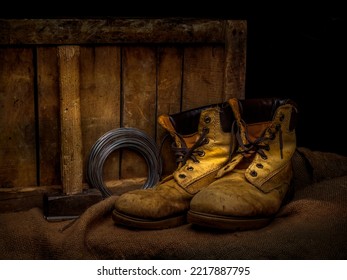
110	31
170	61
70	119
235	59
48	122
128	72
17	119
100	100
25	198
139	102
203	76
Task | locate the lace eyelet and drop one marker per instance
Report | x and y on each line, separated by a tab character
253	173
190	168
182	176
207	119
206	141
264	157
259	165
201	153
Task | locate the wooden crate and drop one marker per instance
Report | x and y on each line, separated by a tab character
66	82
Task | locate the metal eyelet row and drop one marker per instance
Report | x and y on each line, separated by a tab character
254	173
200	153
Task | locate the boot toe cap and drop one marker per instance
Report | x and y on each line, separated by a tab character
148	204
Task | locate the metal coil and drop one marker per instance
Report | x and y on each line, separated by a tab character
130	138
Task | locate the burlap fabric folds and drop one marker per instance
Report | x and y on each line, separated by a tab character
313	225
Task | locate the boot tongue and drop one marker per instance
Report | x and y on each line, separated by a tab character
165	122
257	130
253	131
190	140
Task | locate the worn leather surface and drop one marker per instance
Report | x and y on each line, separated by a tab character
252	185
172	195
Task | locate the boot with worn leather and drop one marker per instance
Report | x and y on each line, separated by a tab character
202	140
250	189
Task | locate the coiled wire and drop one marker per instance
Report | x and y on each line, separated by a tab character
119	138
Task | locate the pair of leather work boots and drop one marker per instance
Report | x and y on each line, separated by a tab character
233	168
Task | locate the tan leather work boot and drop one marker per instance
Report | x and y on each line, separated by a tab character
202	144
250	189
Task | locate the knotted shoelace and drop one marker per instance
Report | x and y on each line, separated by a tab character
257	145
184	153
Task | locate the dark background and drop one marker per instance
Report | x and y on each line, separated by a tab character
301	56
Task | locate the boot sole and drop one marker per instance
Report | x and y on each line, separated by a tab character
139	223
226	223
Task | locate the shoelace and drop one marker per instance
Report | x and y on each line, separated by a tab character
184	153
256	146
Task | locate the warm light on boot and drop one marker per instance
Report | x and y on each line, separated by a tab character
250	189
201	152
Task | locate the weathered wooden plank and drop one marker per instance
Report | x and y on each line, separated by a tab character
139	102
100	100
168	96
48	121
235	59
70	119
110	31
214	70
25	198
17	118
203	76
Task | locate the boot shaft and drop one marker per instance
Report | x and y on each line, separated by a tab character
272	167
264	131
202	141
186	123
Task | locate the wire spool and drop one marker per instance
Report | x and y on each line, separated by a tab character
120	138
